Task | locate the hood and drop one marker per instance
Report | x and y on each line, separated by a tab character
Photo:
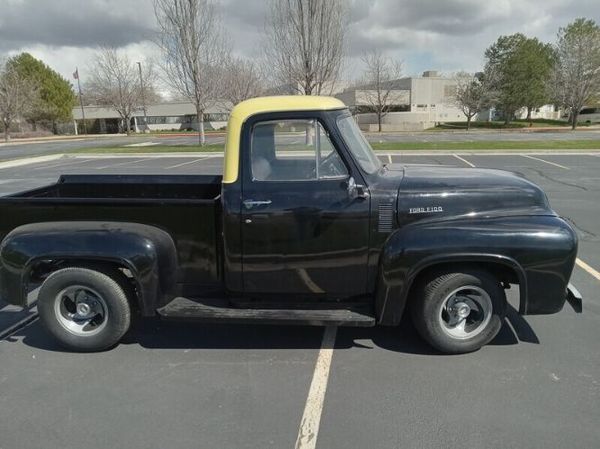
448	192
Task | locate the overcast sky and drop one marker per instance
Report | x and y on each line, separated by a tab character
445	35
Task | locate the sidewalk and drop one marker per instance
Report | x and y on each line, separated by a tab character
26	140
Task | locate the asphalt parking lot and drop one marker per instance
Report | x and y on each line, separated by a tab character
217	386
17	149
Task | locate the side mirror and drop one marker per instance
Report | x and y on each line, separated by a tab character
356	190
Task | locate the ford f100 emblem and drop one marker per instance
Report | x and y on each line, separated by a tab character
425	210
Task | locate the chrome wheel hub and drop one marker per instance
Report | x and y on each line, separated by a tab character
81	310
465	312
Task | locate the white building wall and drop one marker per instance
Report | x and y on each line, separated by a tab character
547	111
396	121
433	95
429	99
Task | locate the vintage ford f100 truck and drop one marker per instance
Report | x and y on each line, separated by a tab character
305	226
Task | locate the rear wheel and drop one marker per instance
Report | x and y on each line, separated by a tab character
84	309
458	312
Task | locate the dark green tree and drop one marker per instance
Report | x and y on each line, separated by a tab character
55	97
521	69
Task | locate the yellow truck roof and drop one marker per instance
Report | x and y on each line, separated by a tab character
246	109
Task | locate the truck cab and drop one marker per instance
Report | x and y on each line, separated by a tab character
305	226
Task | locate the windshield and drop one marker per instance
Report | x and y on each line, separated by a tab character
358	145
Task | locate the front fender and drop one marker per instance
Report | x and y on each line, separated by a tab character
146	251
541	250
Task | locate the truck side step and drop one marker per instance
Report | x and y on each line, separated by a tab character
221	310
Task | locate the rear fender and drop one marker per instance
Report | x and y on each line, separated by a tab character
146	251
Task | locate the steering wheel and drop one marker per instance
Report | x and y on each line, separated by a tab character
332	165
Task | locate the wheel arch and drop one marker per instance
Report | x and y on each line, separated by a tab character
121	270
147	252
392	297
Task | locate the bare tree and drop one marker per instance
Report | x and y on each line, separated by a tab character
576	75
473	94
305	43
115	82
380	83
193	48
16	96
241	80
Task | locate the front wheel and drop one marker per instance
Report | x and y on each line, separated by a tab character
85	310
458	312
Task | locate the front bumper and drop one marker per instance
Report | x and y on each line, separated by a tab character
574	298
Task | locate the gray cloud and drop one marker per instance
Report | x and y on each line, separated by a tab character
75	23
439	34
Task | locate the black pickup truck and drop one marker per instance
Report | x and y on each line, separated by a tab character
305	226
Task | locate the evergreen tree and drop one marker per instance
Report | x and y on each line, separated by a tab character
55	97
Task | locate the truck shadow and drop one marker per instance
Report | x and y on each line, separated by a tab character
156	334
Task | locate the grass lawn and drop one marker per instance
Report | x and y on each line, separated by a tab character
379	146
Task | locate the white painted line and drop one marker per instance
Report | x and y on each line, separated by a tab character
542	160
464	160
142	144
389	157
62	164
311	418
29	160
185	163
120	164
587	268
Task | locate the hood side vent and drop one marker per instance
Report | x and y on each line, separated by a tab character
386	217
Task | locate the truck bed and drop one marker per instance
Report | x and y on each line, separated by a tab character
161	187
186	206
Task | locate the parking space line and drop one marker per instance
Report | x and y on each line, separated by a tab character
65	164
185	163
586	267
311	418
464	160
389	158
542	160
120	164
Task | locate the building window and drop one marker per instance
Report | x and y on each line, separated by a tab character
216	117
165	120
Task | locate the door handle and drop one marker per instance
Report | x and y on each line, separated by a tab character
249	204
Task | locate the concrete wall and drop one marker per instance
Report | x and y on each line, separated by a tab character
433	95
396	121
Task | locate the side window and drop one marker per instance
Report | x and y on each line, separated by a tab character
293	150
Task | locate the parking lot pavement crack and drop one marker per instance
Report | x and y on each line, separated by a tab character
586	235
550	178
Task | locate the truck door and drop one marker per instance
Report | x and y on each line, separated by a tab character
303	233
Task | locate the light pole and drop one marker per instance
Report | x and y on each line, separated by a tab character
76	76
143	97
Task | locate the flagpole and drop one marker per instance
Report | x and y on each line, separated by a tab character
81	100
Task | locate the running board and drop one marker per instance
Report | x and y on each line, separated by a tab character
218	310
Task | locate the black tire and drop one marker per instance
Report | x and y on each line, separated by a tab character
432	294
112	290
